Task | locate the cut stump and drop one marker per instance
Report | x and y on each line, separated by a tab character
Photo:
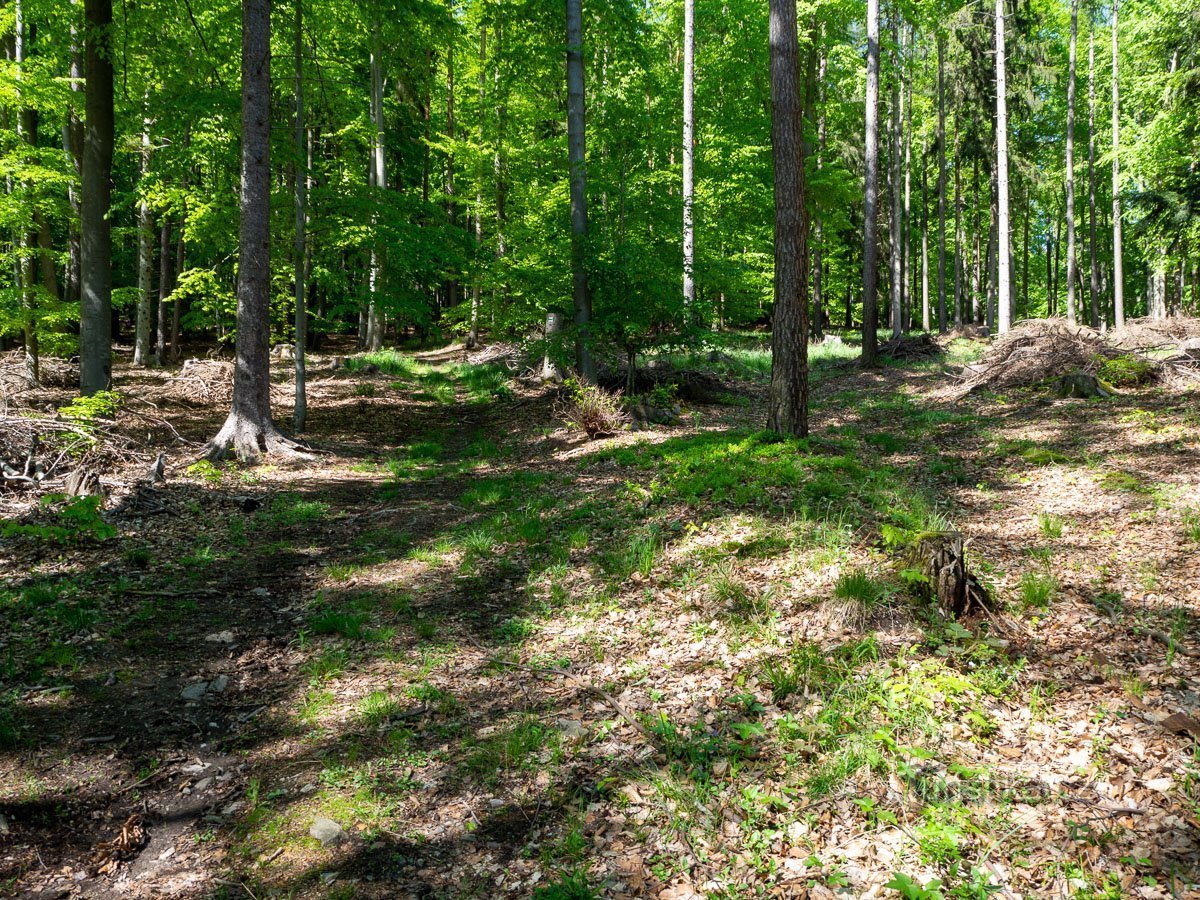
958	593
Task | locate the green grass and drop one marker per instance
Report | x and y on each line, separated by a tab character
288	510
343	623
859	586
510	749
1050	525
1037	589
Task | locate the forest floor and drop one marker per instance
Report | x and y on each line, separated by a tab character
464	652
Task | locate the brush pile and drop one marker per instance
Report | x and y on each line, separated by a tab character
1155	334
1035	352
911	347
201	382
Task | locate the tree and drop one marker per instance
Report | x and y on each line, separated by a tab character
577	155
1003	235
941	187
787	412
301	168
1070	169
1118	250
249	432
870	271
95	316
689	150
1093	256
896	225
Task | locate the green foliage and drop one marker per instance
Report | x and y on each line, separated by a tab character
72	521
1126	371
87	411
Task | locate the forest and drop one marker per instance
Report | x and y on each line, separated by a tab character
564	449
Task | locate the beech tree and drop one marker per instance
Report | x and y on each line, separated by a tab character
870	269
249	432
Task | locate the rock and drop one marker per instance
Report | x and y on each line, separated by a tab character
221	637
203	784
328	877
327	831
219	684
194	691
308	788
261	592
572	729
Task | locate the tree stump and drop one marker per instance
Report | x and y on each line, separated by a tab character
958	593
1081	385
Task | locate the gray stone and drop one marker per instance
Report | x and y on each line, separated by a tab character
221	637
194	691
327	831
219	684
203	784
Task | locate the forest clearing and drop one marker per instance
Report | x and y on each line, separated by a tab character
561	450
495	658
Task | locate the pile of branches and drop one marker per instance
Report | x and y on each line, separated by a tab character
36	452
511	356
16	383
1036	351
911	347
1155	334
201	382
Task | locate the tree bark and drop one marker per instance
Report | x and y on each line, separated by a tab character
577	155
165	253
788	404
300	172
1118	252
870	337
689	148
249	432
1070	163
378	180
1003	233
896	226
941	188
95	315
1093	259
143	334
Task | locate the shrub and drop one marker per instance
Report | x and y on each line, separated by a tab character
592	410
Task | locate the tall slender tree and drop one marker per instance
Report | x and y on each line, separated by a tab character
1118	250
95	316
870	269
1093	256
941	187
896	225
1003	232
249	431
577	156
1072	262
787	412
300	173
689	149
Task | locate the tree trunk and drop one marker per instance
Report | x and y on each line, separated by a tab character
689	148
941	143
1070	163
817	328
73	140
577	156
896	226
27	132
249	432
143	334
1003	233
1093	259
95	315
871	192
1118	258
378	180
300	172
788	404
926	313
959	234
165	253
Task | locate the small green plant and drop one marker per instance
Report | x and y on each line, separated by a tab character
1050	525
74	520
860	586
663	395
86	412
591	409
364	389
1123	481
1037	590
1190	519
205	471
330	621
568	887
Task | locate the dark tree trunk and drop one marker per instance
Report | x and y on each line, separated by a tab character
788	406
576	154
299	247
95	315
249	432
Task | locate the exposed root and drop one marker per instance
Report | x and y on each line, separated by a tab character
248	441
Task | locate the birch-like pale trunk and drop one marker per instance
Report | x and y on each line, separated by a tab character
143	333
300	173
896	226
871	192
577	159
1118	253
378	180
689	149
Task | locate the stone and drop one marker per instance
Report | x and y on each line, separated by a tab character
327	831
194	691
219	684
572	729
221	637
203	784
261	592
